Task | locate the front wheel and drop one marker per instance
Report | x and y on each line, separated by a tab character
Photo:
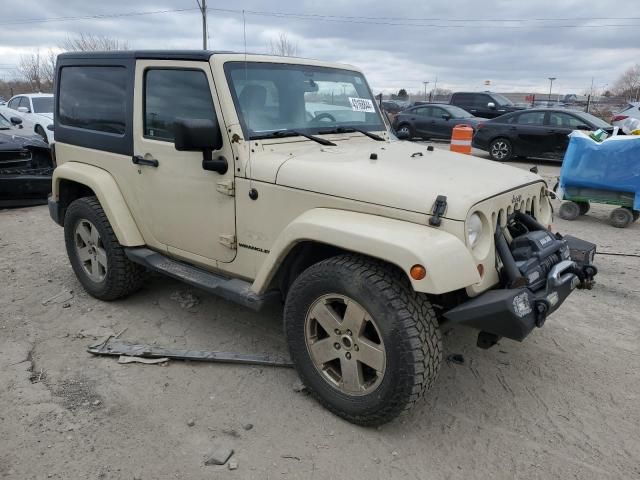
365	344
500	150
97	258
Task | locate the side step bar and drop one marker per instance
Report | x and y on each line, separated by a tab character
232	289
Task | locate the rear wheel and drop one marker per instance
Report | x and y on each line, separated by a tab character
500	150
621	217
584	207
406	130
96	256
365	344
569	210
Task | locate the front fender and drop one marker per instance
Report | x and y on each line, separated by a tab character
449	264
109	195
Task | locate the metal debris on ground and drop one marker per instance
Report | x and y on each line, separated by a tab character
233	465
115	347
124	359
299	387
219	456
456	358
62	297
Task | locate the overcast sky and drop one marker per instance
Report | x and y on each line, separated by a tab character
448	40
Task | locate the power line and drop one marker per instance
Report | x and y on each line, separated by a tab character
95	17
389	21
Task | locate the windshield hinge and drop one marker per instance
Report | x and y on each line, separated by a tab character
228	241
439	208
227	187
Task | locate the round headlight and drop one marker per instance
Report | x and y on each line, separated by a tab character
474	229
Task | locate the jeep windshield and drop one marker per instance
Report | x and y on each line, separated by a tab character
306	99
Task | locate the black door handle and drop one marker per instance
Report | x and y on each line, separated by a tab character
140	160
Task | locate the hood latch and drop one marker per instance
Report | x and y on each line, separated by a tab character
439	209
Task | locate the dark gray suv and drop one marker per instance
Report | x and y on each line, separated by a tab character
483	104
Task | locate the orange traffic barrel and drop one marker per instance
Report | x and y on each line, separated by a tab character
461	139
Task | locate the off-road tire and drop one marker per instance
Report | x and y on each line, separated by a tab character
407	324
569	210
584	207
123	277
621	217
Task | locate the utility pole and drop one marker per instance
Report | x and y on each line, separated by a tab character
203	11
435	88
425	90
551	79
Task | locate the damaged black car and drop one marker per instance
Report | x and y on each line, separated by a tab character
26	166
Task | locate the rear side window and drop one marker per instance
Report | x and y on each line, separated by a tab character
13	104
530	118
170	94
24	102
463	99
93	98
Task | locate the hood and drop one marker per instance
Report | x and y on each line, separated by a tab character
9	141
405	175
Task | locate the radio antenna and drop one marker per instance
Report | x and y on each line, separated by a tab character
246	79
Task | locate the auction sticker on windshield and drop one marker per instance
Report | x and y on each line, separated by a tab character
361	105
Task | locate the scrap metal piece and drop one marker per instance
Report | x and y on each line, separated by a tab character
115	347
124	359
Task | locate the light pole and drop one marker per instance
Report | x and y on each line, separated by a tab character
425	90
551	79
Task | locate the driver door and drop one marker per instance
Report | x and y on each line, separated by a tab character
183	207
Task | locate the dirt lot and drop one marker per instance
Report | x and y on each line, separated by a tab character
563	404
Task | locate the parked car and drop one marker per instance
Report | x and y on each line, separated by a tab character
391	107
432	120
484	104
37	109
26	167
631	110
540	132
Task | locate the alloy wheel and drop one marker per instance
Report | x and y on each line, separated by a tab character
500	150
345	344
90	250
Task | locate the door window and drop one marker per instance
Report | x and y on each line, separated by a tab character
530	118
438	112
423	111
170	94
564	120
481	101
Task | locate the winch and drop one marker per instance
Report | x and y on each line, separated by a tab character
535	253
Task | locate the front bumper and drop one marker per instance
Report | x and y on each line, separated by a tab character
514	312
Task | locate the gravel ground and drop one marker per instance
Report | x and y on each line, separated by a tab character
563	404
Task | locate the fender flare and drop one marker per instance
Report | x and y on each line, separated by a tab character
449	264
109	195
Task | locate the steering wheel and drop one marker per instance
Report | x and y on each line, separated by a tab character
323	118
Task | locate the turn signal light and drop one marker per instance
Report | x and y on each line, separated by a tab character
418	272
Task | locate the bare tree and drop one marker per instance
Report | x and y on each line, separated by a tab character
30	67
628	85
282	46
87	42
48	66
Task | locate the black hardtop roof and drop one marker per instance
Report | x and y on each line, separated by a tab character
202	55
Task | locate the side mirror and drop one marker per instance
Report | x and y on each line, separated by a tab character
446	117
491	105
200	135
23	109
15	121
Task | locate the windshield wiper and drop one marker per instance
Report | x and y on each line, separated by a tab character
296	133
352	130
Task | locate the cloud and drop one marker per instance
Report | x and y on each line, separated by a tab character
394	52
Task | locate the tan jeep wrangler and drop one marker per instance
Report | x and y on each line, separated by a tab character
263	178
